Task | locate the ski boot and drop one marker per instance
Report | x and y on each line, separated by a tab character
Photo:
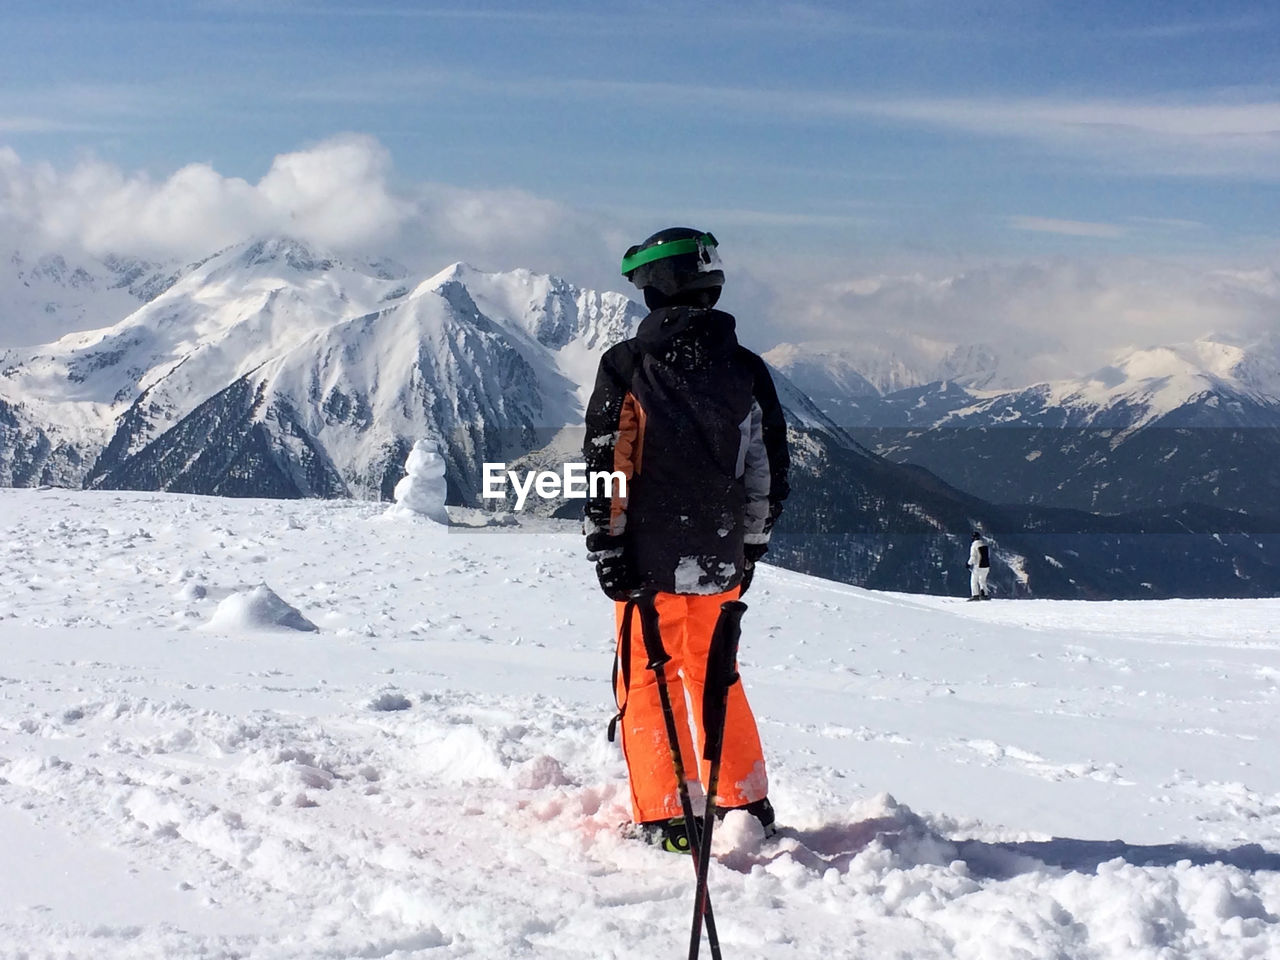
671	835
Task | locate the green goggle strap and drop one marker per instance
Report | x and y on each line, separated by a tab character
660	251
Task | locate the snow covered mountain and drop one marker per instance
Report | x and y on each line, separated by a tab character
1191	423
825	376
832	373
269	369
45	296
272	370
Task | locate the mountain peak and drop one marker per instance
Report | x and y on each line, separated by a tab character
297	254
460	272
1247	366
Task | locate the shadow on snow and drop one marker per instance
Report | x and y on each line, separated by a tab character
913	841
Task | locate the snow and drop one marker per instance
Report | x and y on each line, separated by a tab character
428	774
48	296
260	608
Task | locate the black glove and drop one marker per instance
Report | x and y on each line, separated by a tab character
751	552
618	578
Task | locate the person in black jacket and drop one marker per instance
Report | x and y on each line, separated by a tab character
692	420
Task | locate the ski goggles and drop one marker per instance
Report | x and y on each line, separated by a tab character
703	246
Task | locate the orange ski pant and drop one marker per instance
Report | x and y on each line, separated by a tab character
686	623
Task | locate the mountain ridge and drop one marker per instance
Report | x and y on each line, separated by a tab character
1194	422
272	369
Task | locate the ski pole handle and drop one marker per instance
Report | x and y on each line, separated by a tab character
722	673
649	629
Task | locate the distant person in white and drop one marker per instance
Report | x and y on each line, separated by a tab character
979	566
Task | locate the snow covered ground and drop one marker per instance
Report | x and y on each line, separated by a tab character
427	774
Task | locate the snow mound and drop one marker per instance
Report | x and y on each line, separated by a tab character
258	609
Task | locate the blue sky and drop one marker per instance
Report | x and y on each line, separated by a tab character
859	133
907	123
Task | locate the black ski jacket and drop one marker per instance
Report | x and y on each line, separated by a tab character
692	420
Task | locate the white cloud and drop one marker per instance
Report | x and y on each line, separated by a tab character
1067	119
1219	134
1203	137
335	194
1168	223
1068	228
339	194
1048	318
1043	320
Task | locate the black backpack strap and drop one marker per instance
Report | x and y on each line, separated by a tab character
622	654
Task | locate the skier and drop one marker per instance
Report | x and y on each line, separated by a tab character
692	419
979	567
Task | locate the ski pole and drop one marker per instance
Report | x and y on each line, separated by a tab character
722	674
658	659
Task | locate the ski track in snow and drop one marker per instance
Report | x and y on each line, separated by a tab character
428	775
